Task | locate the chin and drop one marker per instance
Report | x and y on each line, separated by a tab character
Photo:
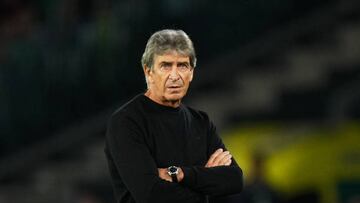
175	96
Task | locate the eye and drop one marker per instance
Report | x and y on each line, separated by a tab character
165	67
183	67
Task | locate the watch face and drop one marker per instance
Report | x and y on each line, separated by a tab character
173	169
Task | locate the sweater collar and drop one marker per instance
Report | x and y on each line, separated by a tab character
160	107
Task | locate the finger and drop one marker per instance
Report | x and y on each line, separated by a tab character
215	160
225	159
213	156
168	179
164	175
218	159
228	163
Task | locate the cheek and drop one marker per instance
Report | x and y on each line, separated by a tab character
187	79
161	82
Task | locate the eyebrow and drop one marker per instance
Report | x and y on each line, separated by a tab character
179	63
184	63
166	63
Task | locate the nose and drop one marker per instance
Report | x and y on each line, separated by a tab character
174	75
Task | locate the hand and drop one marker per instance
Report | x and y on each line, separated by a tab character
163	174
219	158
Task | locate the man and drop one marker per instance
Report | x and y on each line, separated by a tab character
160	150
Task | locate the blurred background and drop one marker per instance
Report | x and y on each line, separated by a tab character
280	79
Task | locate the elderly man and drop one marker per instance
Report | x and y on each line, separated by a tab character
160	150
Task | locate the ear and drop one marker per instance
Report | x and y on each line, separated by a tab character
148	73
146	70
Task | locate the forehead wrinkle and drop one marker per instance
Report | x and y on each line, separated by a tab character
170	58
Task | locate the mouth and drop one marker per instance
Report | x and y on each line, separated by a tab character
175	88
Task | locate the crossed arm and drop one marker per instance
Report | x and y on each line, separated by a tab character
218	158
129	158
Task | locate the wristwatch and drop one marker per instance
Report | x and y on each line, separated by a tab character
173	171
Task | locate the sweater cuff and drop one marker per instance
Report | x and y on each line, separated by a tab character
189	176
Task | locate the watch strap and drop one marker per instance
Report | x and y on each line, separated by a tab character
174	178
173	171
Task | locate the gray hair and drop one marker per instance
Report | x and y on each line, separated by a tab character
168	40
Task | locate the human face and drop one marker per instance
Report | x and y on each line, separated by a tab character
169	79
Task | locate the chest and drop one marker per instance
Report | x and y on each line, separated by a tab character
177	141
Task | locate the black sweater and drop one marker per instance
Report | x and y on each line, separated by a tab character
143	136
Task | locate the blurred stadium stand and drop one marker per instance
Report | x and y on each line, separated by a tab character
66	65
296	73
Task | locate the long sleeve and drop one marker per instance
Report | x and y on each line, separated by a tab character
221	180
135	165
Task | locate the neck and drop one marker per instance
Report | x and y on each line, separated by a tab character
164	102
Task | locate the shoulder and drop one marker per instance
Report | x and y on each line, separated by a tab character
129	110
127	119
